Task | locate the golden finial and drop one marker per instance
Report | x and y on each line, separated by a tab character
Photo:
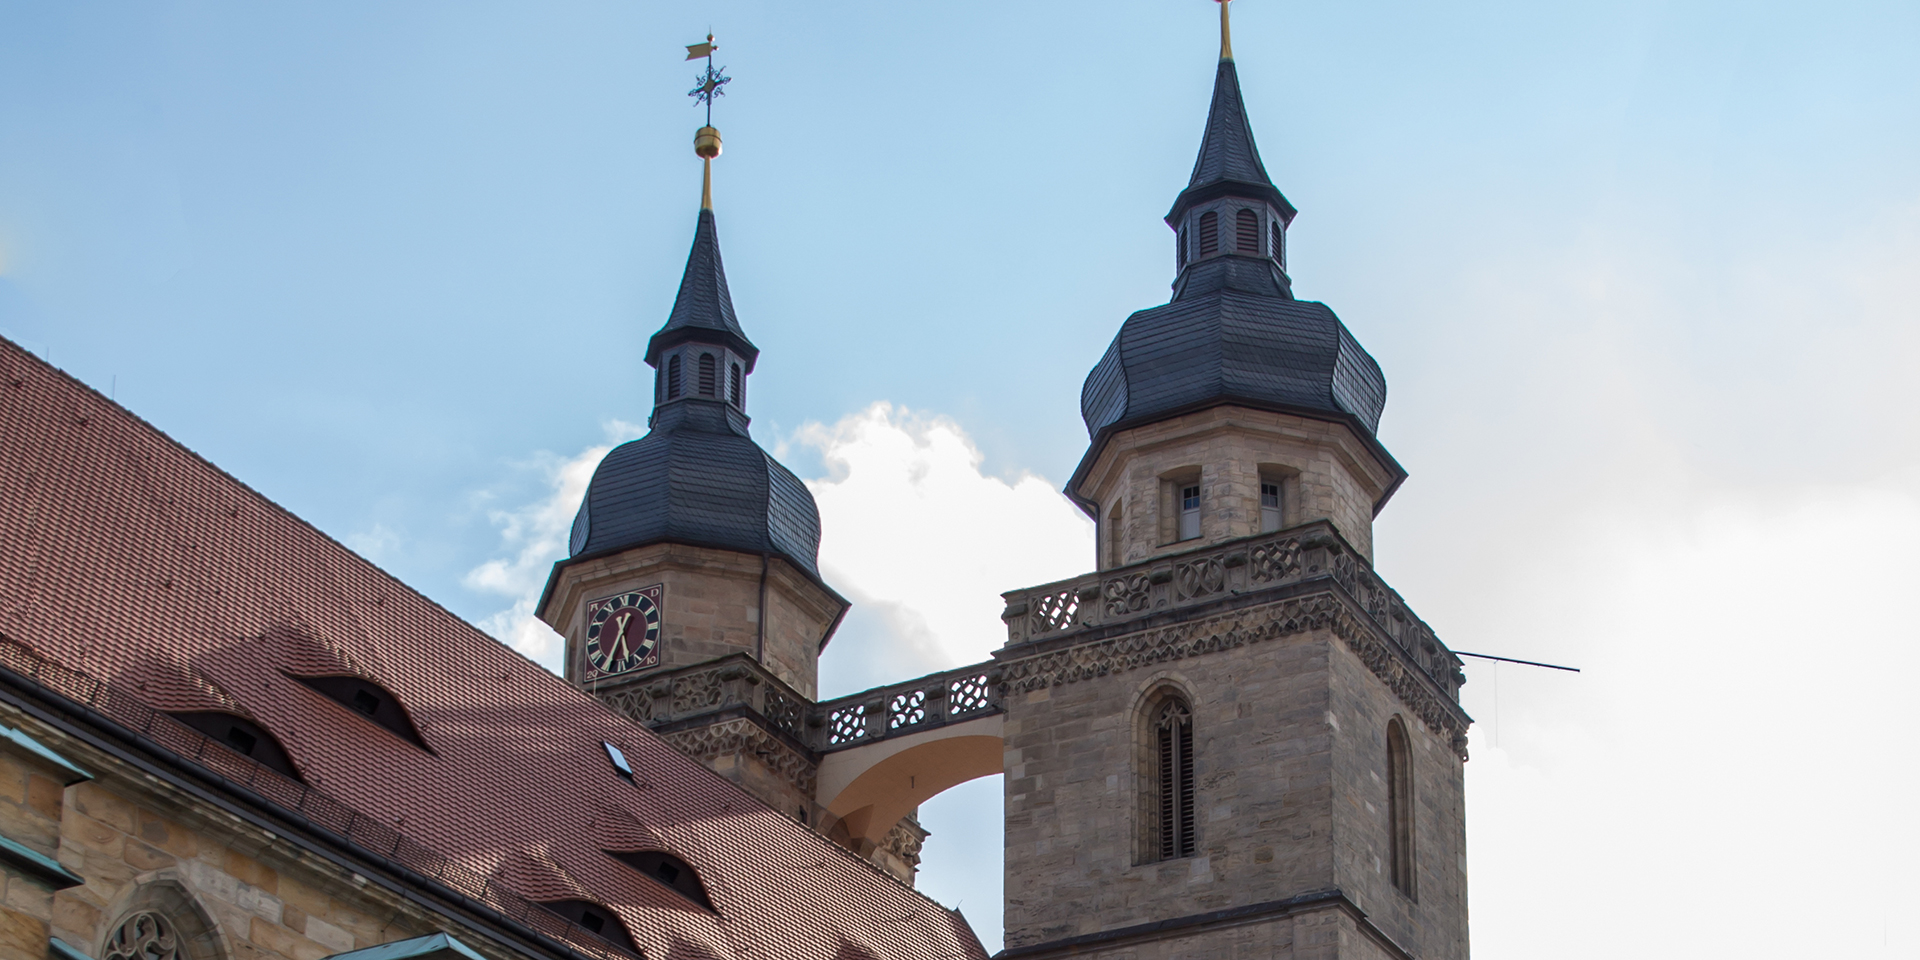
1226	35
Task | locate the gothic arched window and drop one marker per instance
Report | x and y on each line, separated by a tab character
1400	805
1246	232
673	377
708	375
147	935
1173	779
1209	233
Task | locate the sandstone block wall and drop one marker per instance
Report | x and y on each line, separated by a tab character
1325	472
1076	830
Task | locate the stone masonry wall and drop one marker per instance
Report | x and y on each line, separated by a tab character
1325	473
1431	923
139	844
1263	766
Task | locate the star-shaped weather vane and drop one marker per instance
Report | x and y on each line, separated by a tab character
711	80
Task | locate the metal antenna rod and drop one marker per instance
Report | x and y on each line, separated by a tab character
1530	663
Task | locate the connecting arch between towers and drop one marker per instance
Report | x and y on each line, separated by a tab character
868	788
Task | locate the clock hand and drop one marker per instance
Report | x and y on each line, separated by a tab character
620	637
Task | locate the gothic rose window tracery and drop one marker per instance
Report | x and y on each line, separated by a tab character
146	935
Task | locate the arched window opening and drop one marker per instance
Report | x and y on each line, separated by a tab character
1269	504
708	375
1180	249
671	871
1173	780
733	386
1279	245
243	737
1246	232
1400	805
1209	233
369	700
595	919
162	922
673	377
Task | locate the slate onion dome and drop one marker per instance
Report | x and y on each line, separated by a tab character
697	477
1232	332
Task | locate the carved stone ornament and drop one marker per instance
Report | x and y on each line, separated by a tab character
147	935
742	736
1238	629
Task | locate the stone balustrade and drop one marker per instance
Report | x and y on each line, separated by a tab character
930	701
1168	583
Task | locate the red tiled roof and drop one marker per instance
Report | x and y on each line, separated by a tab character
125	556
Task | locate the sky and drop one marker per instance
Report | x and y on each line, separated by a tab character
1644	279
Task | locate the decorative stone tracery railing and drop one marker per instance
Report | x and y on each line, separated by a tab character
963	693
739	681
1207	575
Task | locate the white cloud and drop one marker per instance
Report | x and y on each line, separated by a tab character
534	536
911	528
377	543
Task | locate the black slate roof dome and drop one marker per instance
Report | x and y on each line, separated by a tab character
1232	332
697	477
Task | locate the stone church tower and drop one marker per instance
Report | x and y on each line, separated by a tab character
1233	740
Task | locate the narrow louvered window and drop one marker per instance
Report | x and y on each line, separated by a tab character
1209	233
1246	232
1180	249
1173	737
673	377
707	375
1400	805
1279	251
734	385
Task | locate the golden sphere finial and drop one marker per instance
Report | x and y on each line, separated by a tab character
706	143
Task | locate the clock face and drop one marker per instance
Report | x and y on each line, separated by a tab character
623	632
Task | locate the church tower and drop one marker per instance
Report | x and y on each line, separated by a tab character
1233	739
691	597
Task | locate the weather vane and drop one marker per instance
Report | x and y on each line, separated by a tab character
710	81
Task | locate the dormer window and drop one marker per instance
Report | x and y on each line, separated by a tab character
370	700
1246	232
597	920
243	737
1209	233
675	873
707	375
673	377
1189	511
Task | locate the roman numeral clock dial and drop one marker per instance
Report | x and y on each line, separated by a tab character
623	632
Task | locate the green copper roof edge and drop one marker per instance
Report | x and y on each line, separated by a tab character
34	746
428	945
63	950
38	864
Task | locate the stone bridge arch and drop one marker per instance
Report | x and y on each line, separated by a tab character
889	750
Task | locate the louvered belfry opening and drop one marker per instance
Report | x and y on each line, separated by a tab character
709	375
673	377
1279	248
1246	232
1180	249
1209	233
733	386
1173	733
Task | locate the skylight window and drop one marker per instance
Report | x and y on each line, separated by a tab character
619	760
369	700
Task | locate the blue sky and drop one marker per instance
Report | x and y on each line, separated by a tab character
1642	276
